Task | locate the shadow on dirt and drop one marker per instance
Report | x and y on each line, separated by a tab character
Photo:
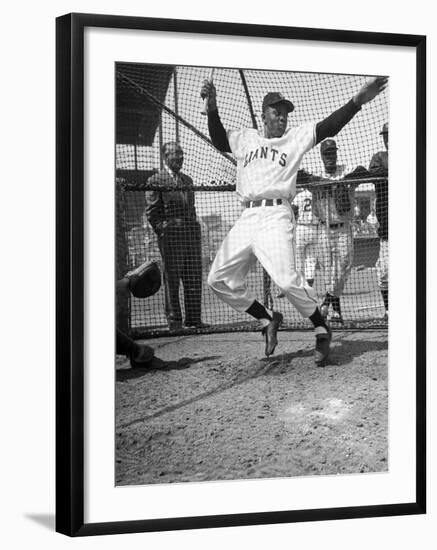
343	352
160	364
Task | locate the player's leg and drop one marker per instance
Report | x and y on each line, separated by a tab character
324	256
301	244
299	252
343	264
311	255
227	276
229	270
382	271
274	247
336	269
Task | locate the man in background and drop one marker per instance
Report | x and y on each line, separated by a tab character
172	214
379	168
306	234
333	204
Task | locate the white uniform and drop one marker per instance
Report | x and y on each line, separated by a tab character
306	234
266	169
335	237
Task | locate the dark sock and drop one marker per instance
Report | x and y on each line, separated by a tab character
318	320
336	304
258	311
328	299
384	294
310	282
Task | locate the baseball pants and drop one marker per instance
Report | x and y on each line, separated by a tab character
335	255
266	234
382	265
306	249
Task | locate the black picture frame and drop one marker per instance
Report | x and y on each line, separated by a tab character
70	273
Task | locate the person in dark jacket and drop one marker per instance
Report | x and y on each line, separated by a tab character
171	212
379	167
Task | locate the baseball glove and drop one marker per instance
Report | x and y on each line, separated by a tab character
145	280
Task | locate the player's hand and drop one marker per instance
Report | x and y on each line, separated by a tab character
208	90
370	90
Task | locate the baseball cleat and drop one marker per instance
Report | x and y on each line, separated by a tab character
142	358
321	351
270	332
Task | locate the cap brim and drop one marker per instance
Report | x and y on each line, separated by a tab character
290	106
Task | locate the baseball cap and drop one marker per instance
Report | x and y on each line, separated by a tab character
327	145
384	129
272	98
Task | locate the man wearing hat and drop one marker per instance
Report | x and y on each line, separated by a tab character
267	167
334	205
379	168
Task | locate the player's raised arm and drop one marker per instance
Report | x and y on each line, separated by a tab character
216	130
331	125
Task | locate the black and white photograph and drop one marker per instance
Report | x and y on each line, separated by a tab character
215	228
252	274
240	325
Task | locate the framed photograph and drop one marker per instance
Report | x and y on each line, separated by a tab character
230	347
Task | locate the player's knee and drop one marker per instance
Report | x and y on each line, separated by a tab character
290	281
214	281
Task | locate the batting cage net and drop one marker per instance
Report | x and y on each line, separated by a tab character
180	220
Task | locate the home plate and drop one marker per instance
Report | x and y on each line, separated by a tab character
334	409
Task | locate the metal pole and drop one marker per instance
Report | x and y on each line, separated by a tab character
249	100
176	103
161	163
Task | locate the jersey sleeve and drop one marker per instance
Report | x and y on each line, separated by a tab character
236	140
305	137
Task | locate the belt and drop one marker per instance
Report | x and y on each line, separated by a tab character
263	202
332	225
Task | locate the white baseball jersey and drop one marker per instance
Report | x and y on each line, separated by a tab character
340	172
267	167
324	202
303	200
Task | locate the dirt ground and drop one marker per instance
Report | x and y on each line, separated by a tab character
213	407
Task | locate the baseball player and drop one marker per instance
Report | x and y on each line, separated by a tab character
267	166
379	167
142	282
306	234
334	205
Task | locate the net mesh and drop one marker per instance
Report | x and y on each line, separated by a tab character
338	235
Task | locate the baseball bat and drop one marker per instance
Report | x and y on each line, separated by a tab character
204	111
